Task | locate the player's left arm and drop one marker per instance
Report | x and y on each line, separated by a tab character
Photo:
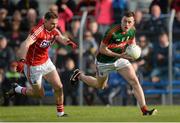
65	41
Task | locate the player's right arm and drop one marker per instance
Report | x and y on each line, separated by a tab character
104	50
65	41
21	54
24	47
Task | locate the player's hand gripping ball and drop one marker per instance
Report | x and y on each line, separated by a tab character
134	51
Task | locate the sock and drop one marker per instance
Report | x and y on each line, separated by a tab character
60	108
144	108
20	90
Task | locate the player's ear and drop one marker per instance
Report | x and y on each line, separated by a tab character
134	21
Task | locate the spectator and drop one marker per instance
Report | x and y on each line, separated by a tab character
160	58
143	65
15	35
70	3
6	53
30	20
8	5
176	24
89	48
156	23
93	27
175	4
74	29
17	16
89	44
119	7
176	27
176	60
24	5
163	4
86	5
64	16
104	17
139	21
3	20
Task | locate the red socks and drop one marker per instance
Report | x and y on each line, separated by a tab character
23	90
144	109
60	107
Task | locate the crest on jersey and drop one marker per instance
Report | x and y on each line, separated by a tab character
45	44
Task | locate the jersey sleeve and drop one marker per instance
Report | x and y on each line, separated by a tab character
57	32
35	32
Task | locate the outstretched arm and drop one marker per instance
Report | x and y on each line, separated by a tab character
66	41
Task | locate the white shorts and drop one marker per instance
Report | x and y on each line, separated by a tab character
103	69
34	74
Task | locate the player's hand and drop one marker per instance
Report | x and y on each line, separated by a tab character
72	44
126	56
20	65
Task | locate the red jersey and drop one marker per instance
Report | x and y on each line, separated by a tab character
38	52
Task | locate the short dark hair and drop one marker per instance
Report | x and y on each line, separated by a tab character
129	14
50	15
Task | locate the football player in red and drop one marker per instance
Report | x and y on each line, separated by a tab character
36	63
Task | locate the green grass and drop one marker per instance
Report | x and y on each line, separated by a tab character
88	114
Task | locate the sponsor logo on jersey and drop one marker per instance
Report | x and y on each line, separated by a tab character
122	39
45	44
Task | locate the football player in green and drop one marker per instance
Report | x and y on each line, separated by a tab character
111	56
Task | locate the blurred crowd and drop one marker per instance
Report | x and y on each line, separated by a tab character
17	19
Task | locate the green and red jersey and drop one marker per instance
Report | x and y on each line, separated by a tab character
116	41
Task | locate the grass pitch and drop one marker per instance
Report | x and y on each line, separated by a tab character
88	114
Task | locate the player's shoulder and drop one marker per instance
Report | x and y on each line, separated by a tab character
132	31
133	28
113	28
38	28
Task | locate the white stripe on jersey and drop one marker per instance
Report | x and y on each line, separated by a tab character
36	33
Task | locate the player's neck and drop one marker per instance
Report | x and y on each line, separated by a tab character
47	28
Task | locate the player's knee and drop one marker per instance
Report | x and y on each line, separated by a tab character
102	83
58	89
100	86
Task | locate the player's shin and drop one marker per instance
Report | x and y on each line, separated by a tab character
59	101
